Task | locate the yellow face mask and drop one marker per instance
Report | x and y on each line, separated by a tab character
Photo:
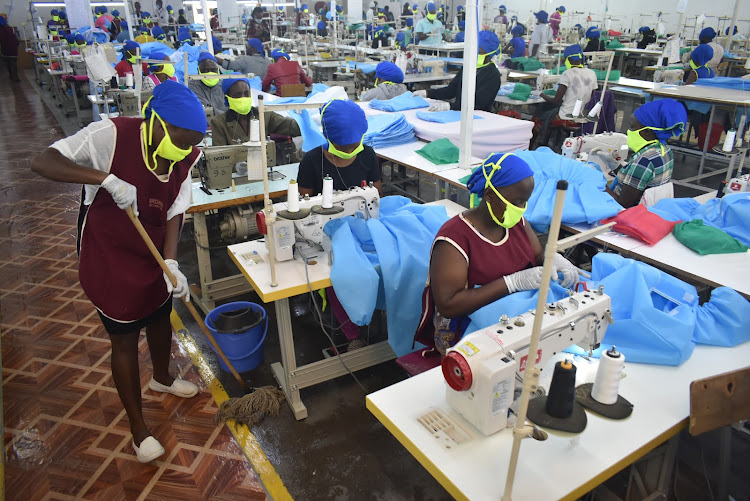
636	142
431	17
485	59
569	65
512	214
146	20
131	59
166	148
167	69
209	82
241	105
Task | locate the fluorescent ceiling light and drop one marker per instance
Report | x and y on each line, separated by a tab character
47	4
105	4
249	2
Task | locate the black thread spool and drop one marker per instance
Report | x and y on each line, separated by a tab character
562	390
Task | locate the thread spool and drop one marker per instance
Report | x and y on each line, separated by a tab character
129	80
608	375
327	192
577	107
595	110
255	130
292	196
561	395
729	141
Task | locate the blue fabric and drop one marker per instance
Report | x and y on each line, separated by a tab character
206	55
462	25
723	321
512	170
398	245
442	117
542	16
702	54
343	122
399	103
488	42
388	130
389	72
733	83
318	87
593	32
585	201
177	105
460	37
708	33
366	68
311	136
663	114
257	45
216	43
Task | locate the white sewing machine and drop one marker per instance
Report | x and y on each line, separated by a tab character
303	231
482	369
608	150
546	80
435	66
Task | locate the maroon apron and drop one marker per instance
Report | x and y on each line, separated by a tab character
116	269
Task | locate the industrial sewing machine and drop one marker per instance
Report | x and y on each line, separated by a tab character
302	232
545	80
482	368
608	150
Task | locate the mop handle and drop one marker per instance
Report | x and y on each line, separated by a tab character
150	244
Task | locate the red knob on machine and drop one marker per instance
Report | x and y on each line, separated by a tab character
456	371
363	184
260	221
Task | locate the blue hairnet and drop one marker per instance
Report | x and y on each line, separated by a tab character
663	114
431	6
157	32
145	14
578	26
206	55
116	13
343	122
517	31
460	8
512	170
321	25
184	34
144	29
488	42
257	45
181	11
103	9
389	72
156	55
573	51
409	22
217	44
643	28
593	32
542	16
176	104
304	6
62	14
124	25
707	33
339	8
561	8
228	82
54	12
80	38
277	53
462	25
702	54
401	38
169	7
129	46
3	21
71	39
503	7
329	15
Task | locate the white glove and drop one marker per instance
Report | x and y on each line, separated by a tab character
524	280
419	93
569	271
123	193
182	288
440	106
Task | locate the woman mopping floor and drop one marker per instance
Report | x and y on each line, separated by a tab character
143	163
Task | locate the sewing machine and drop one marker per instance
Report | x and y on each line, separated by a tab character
545	80
435	66
302	232
608	150
482	368
669	77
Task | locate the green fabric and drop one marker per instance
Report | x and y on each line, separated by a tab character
440	152
526	63
550	92
614	75
705	239
521	92
613	44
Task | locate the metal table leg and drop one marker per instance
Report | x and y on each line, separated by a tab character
285	371
204	260
707	138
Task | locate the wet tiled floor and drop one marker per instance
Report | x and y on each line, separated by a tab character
66	435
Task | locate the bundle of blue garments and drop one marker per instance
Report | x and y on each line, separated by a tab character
399	103
366	68
442	117
388	130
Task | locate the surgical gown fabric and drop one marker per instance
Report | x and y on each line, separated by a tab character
399	103
388	130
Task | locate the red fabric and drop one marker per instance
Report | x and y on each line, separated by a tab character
285	72
640	223
124	66
116	269
75	78
612	33
8	41
713	140
510	113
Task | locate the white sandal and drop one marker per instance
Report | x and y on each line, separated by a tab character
149	450
180	388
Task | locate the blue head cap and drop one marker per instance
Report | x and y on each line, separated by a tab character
431	7
329	15
62	14
561	8
144	29
155	55
181	12
643	28
707	33
343	122
503	8
116	13
217	44
130	46
169	8
71	38
145	14
257	45
488	42
462	25
54	12
3	21
409	22
124	26
460	8
79	39
339	8
177	105
542	16
103	9
206	55
278	53
183	35
304	7
665	114
158	33
227	83
517	31
702	54
511	169
593	32
389	72
573	52
401	38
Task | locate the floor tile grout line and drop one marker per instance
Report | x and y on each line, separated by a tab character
100	470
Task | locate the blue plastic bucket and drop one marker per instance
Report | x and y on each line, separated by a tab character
244	350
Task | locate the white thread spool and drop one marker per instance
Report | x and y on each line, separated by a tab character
292	196
595	110
255	130
729	140
327	192
608	375
129	80
577	107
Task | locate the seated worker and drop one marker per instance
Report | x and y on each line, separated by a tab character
388	82
707	36
555	19
183	37
594	43
575	83
461	35
542	34
181	19
208	90
146	20
124	34
517	45
648	37
484	253
159	72
699	59
488	78
129	51
233	126
651	165
254	61
145	36
429	30
283	71
116	26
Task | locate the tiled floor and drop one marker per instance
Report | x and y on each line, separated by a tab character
66	433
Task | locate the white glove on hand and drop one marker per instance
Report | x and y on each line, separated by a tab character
440	106
569	271
419	93
123	193
182	288
524	280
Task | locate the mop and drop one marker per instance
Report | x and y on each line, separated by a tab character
248	409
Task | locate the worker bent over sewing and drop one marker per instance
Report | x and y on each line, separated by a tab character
144	165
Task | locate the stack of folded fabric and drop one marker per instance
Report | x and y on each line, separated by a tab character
399	103
388	130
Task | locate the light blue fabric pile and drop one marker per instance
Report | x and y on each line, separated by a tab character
399	103
506	89
366	68
733	83
388	130
442	117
